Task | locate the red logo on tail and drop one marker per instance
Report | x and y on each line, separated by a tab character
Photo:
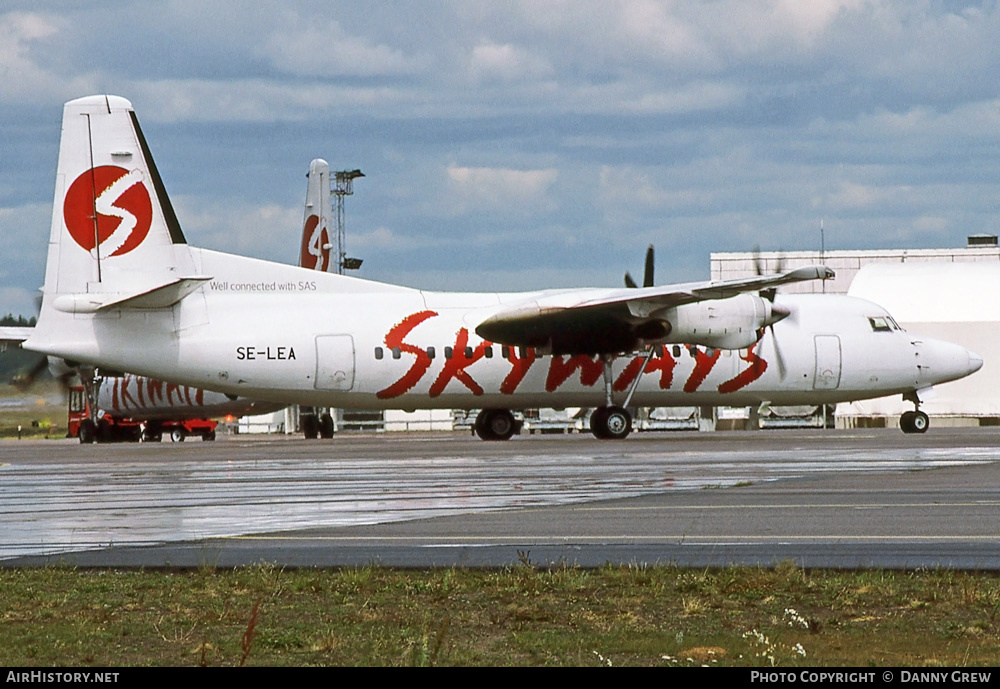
315	253
123	209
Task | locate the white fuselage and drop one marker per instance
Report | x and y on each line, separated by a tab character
285	334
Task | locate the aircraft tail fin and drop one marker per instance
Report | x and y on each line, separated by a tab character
316	245
114	232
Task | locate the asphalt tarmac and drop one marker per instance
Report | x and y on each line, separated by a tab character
841	499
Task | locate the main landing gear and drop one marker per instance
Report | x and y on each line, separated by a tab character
607	422
611	423
495	424
914	422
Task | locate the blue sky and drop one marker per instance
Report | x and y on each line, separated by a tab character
517	145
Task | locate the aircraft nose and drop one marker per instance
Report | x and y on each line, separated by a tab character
949	361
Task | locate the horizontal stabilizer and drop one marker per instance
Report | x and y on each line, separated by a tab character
159	297
14	333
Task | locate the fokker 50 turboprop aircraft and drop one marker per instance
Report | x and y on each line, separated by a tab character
124	290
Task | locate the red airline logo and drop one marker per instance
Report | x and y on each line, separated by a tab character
587	369
119	200
315	252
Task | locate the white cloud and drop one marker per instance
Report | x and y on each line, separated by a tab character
850	195
266	231
23	79
255	100
931	224
777	28
691	97
513	190
506	63
383	239
324	48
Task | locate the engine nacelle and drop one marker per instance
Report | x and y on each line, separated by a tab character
733	323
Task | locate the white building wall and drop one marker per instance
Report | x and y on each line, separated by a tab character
947	294
420	420
948	301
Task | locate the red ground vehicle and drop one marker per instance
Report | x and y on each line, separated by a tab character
103	427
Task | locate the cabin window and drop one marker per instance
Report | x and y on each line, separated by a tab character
379	353
448	352
396	352
488	352
431	353
522	352
880	324
505	351
468	352
676	351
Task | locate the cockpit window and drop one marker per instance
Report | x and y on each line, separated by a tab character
882	324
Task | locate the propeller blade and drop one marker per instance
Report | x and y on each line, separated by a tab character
779	312
779	359
23	381
647	273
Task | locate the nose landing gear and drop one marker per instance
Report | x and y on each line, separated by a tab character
914	422
611	423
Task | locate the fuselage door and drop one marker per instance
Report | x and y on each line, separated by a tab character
334	362
827	363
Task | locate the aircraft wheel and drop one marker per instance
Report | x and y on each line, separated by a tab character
495	424
105	434
88	432
209	436
310	427
920	423
906	422
326	426
597	422
177	435
611	423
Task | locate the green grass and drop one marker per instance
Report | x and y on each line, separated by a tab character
40	411
521	615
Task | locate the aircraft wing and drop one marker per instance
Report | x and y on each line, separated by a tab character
616	320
